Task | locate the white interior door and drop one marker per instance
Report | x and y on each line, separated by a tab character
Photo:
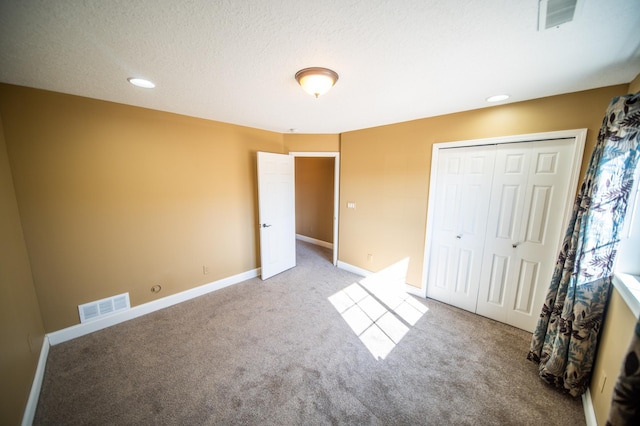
462	205
276	204
530	190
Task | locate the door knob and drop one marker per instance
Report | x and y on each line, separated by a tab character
459	236
514	245
264	225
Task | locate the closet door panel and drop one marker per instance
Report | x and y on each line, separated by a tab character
527	279
510	201
528	198
538	214
464	270
499	264
537	245
498	281
440	272
444	250
462	205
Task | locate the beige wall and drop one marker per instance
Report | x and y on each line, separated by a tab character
21	329
314	197
309	143
385	170
116	199
614	343
634	86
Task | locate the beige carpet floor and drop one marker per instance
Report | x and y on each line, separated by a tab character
279	352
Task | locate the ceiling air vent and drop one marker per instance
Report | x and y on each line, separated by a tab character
103	307
553	13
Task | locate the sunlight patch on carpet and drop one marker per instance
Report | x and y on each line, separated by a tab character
378	310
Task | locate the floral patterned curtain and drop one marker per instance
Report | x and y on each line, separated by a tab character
566	336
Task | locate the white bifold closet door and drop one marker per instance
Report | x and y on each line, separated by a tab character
460	223
494	250
529	191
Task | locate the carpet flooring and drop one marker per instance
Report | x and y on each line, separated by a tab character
279	352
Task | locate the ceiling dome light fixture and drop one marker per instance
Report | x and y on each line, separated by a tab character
497	98
141	82
316	80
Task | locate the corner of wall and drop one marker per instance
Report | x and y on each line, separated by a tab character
21	326
34	394
634	86
311	142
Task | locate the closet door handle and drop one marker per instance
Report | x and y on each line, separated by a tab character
514	245
459	236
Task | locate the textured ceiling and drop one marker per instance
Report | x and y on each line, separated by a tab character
234	61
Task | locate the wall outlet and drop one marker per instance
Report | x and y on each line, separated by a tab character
205	269
369	258
351	205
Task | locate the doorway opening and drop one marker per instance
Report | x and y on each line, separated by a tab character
317	230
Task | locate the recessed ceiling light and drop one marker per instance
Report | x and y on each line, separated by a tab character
141	82
497	98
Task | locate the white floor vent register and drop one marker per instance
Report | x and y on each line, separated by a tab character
100	308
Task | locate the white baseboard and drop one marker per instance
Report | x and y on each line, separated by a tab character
314	241
72	332
365	273
34	394
589	412
353	269
416	291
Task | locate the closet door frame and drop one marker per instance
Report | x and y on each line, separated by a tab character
579	137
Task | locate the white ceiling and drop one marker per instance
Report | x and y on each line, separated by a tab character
234	60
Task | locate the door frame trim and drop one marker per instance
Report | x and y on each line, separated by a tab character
336	191
579	136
